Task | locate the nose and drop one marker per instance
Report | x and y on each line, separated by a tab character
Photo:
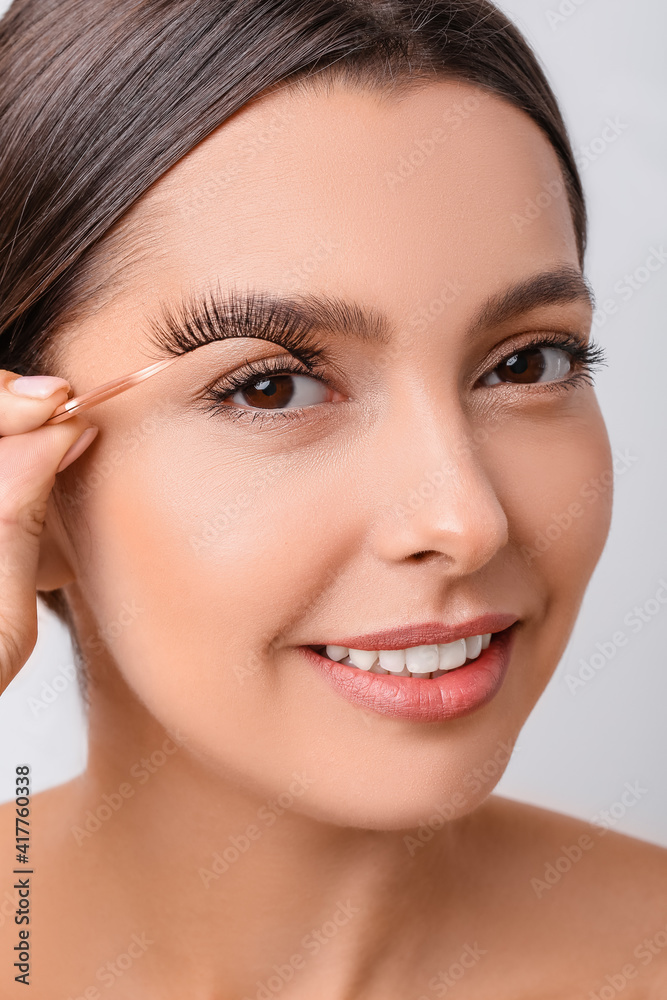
442	506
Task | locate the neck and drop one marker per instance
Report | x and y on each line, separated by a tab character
227	888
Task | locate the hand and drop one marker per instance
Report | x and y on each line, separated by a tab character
30	458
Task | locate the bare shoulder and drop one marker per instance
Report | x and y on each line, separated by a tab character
596	892
29	834
558	843
16	883
31	838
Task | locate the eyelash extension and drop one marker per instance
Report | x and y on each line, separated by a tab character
199	321
586	357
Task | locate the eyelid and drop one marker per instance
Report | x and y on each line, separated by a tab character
248	362
275	363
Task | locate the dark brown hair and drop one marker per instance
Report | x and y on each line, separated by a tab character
98	100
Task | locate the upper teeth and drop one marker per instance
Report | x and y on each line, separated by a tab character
414	660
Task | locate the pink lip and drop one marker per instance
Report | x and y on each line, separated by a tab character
456	693
426	633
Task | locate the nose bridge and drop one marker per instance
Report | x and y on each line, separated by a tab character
441	499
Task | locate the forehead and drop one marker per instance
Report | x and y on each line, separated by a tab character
382	198
446	167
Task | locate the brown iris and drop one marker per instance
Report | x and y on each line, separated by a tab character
270	393
524	366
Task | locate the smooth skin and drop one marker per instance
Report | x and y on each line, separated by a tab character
204	715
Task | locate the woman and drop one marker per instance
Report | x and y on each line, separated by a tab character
299	563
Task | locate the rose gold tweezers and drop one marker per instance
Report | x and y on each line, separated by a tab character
79	403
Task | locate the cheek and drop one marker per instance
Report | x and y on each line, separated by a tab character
557	481
563	498
222	557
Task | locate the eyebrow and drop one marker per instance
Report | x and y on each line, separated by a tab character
564	285
218	314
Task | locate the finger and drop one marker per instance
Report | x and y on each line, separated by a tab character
26	402
28	464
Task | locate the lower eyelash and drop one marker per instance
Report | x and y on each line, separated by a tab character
563	384
241	413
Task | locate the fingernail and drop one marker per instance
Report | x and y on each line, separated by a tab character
78	447
37	386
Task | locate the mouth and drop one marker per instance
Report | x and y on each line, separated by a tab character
426	682
425	661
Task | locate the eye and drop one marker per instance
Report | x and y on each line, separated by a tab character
531	364
269	389
277	392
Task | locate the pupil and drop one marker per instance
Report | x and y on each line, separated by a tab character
266	387
517	365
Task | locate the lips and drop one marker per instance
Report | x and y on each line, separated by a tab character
452	695
426	633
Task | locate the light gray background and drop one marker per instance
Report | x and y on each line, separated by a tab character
605	59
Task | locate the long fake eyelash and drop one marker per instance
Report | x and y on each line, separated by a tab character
202	320
588	358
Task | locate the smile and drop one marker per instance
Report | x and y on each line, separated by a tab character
424	671
424	661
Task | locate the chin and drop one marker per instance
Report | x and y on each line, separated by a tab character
421	794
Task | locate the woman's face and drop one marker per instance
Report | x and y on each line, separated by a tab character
416	474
